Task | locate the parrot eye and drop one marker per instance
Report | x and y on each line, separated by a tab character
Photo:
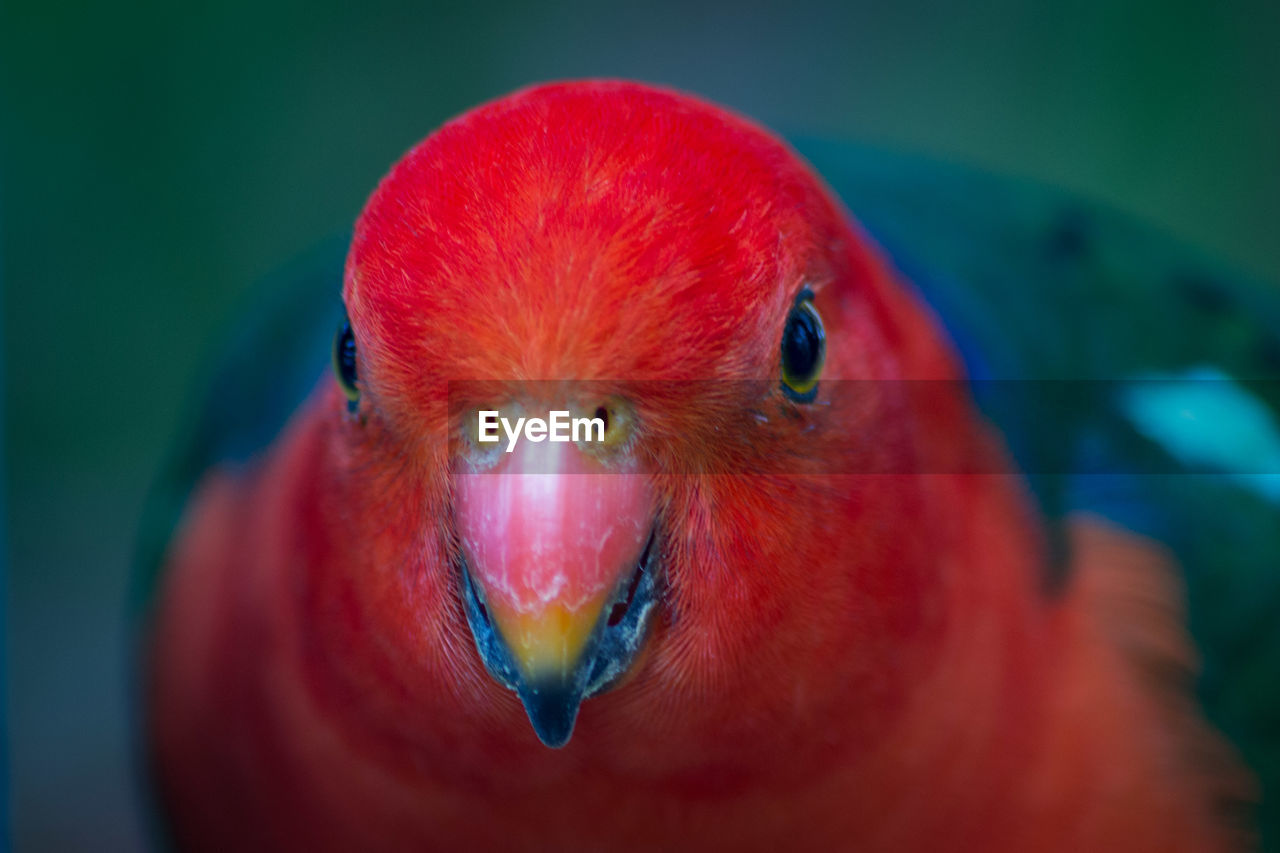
803	349
344	363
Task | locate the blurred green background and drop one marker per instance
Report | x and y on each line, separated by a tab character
157	158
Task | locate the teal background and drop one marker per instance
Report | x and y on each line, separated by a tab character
157	158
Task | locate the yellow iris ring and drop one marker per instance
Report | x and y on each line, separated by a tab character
804	383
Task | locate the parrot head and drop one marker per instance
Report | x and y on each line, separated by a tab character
641	259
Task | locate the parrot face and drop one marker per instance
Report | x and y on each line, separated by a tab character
499	268
787	595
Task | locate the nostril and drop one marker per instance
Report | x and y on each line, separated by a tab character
474	430
473	597
620	609
615	421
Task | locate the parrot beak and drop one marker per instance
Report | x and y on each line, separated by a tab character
559	573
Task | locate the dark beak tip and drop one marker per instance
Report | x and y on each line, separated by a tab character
552	710
554	738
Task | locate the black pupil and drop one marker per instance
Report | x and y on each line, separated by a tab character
801	344
347	355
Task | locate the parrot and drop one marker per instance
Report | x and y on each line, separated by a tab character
916	508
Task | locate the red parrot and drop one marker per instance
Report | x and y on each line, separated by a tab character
795	594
